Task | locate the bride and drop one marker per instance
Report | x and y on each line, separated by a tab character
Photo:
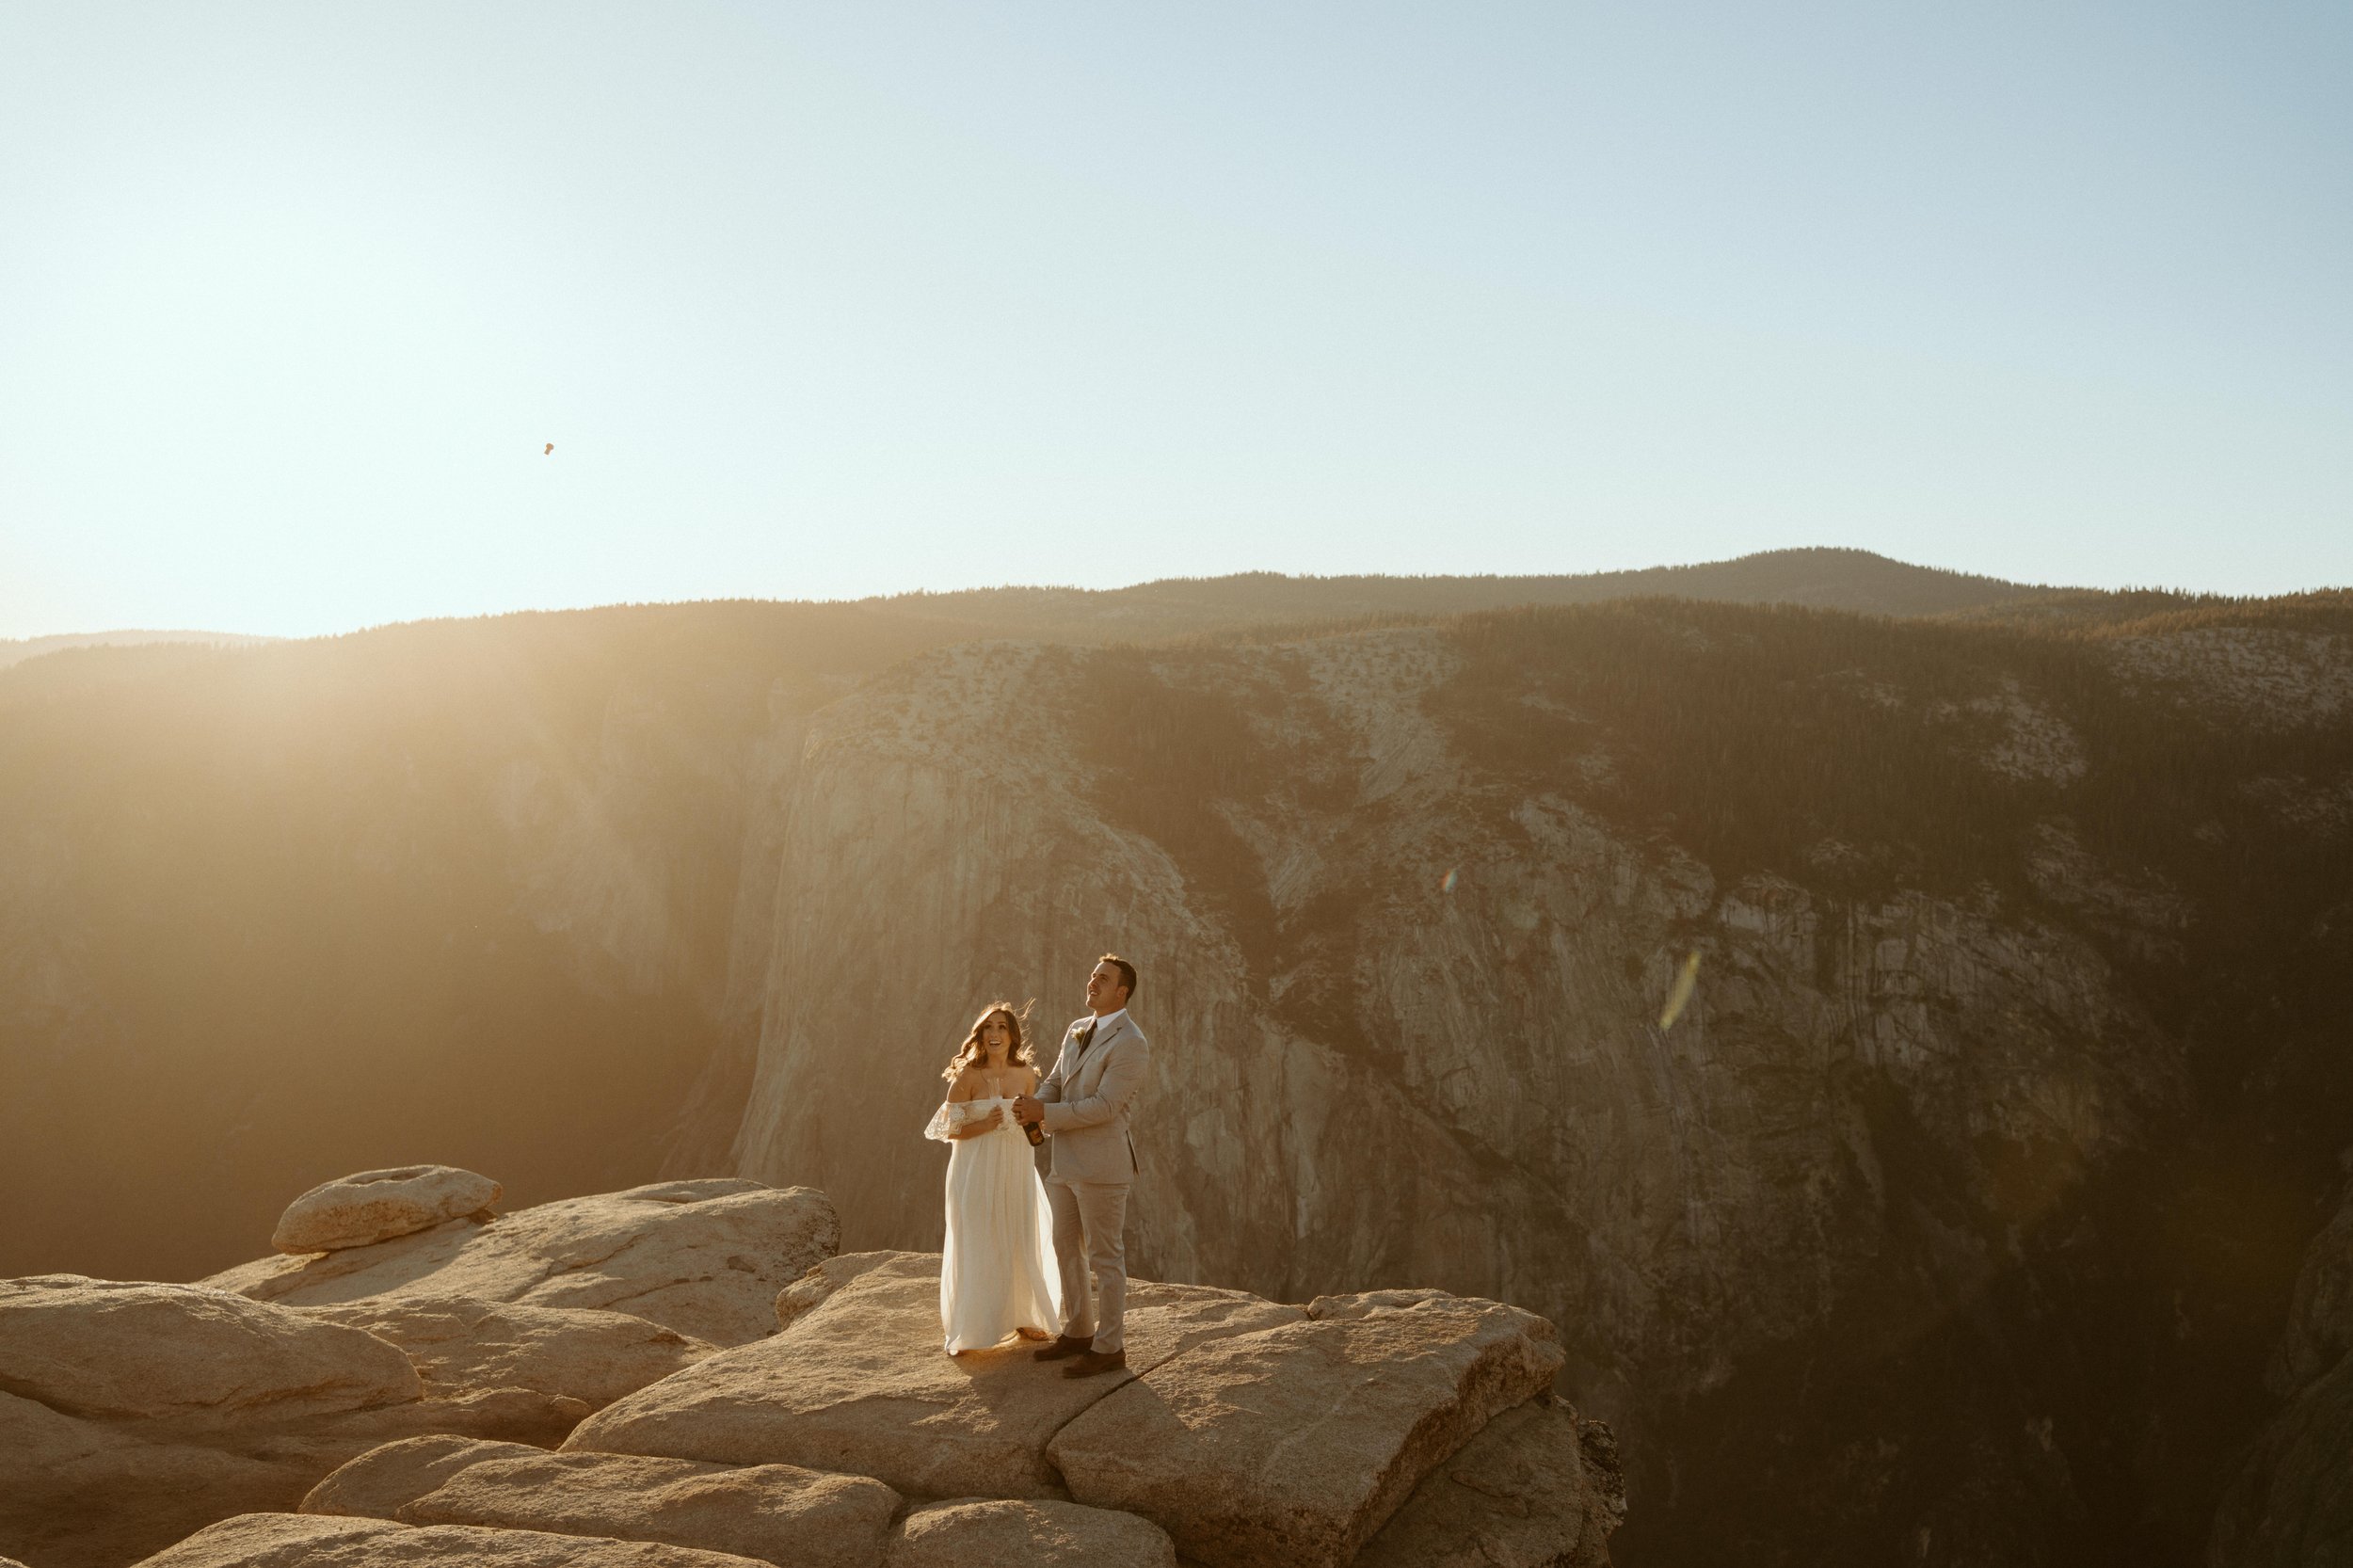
995	1278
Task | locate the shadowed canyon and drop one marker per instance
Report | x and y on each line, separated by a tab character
1981	1204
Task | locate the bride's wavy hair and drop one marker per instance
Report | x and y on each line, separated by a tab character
972	1051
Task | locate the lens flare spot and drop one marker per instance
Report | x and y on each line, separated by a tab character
1446	883
1679	994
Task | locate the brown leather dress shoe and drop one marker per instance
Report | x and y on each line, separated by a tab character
1096	1362
1062	1345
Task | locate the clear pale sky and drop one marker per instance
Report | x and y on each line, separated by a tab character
819	301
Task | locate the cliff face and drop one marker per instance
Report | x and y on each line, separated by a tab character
1854	1249
2292	1500
1425	1042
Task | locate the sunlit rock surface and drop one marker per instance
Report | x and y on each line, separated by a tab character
297	1540
90	1494
141	1412
862	1384
110	1350
1294	1443
1249	1433
460	1343
1034	1530
377	1206
704	1259
776	1512
382	1481
1537	1488
1254	1434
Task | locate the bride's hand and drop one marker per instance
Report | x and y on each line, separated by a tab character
986	1124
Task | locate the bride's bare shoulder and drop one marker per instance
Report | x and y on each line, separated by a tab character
967	1083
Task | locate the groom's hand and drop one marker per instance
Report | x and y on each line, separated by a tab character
1027	1110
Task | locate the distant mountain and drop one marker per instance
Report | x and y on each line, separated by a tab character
1823	579
15	651
1819	579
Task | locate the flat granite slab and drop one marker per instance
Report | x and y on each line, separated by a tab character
1288	1447
861	1384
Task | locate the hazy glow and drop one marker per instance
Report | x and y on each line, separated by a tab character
832	300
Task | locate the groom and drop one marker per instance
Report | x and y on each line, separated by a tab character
1083	1103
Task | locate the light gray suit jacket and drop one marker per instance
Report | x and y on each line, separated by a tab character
1086	1102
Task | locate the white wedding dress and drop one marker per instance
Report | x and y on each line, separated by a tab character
995	1274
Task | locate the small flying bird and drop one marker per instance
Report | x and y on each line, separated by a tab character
550	447
1679	994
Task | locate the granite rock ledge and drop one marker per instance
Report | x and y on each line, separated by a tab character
689	1374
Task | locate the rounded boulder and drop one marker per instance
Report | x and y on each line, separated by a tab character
377	1206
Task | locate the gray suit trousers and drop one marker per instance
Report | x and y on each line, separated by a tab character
1089	1219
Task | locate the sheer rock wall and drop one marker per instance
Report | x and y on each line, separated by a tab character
1407	1023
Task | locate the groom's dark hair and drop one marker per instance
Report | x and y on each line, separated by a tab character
1127	972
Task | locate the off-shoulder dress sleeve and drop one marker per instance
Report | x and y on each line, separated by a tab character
945	1120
